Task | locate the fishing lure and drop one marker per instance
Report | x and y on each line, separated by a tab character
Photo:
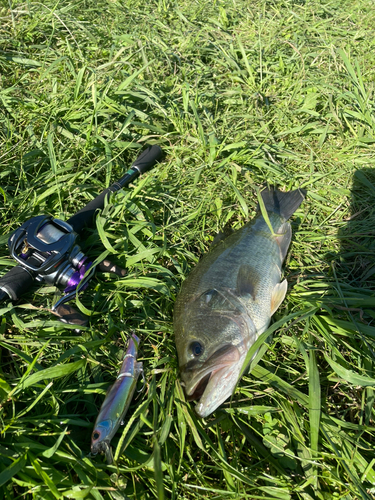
116	402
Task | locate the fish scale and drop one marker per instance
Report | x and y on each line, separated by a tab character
222	264
228	299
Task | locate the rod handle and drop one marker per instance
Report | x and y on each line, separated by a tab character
145	161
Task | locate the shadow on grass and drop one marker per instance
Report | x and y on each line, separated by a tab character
353	269
356	261
354	266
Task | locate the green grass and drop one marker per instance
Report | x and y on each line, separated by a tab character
238	94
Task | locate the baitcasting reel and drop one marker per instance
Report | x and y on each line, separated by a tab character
46	249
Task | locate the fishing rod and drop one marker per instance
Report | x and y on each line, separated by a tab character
46	248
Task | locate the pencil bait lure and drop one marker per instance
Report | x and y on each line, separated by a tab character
116	402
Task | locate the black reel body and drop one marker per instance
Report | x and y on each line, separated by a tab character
46	247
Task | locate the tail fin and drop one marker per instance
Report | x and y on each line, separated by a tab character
284	204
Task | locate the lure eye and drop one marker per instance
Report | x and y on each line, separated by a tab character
95	435
196	348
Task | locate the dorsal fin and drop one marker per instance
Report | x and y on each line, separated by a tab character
221	235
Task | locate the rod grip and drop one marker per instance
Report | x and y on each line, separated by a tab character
145	161
15	283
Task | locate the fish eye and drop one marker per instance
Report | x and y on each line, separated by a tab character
196	348
95	435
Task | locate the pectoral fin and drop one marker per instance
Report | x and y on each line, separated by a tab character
247	281
278	295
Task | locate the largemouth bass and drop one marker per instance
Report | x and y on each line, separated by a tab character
116	402
228	299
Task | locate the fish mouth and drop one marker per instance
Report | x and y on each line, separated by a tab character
212	382
199	388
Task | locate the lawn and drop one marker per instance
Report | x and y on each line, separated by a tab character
238	95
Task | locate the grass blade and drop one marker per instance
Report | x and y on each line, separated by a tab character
7	474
